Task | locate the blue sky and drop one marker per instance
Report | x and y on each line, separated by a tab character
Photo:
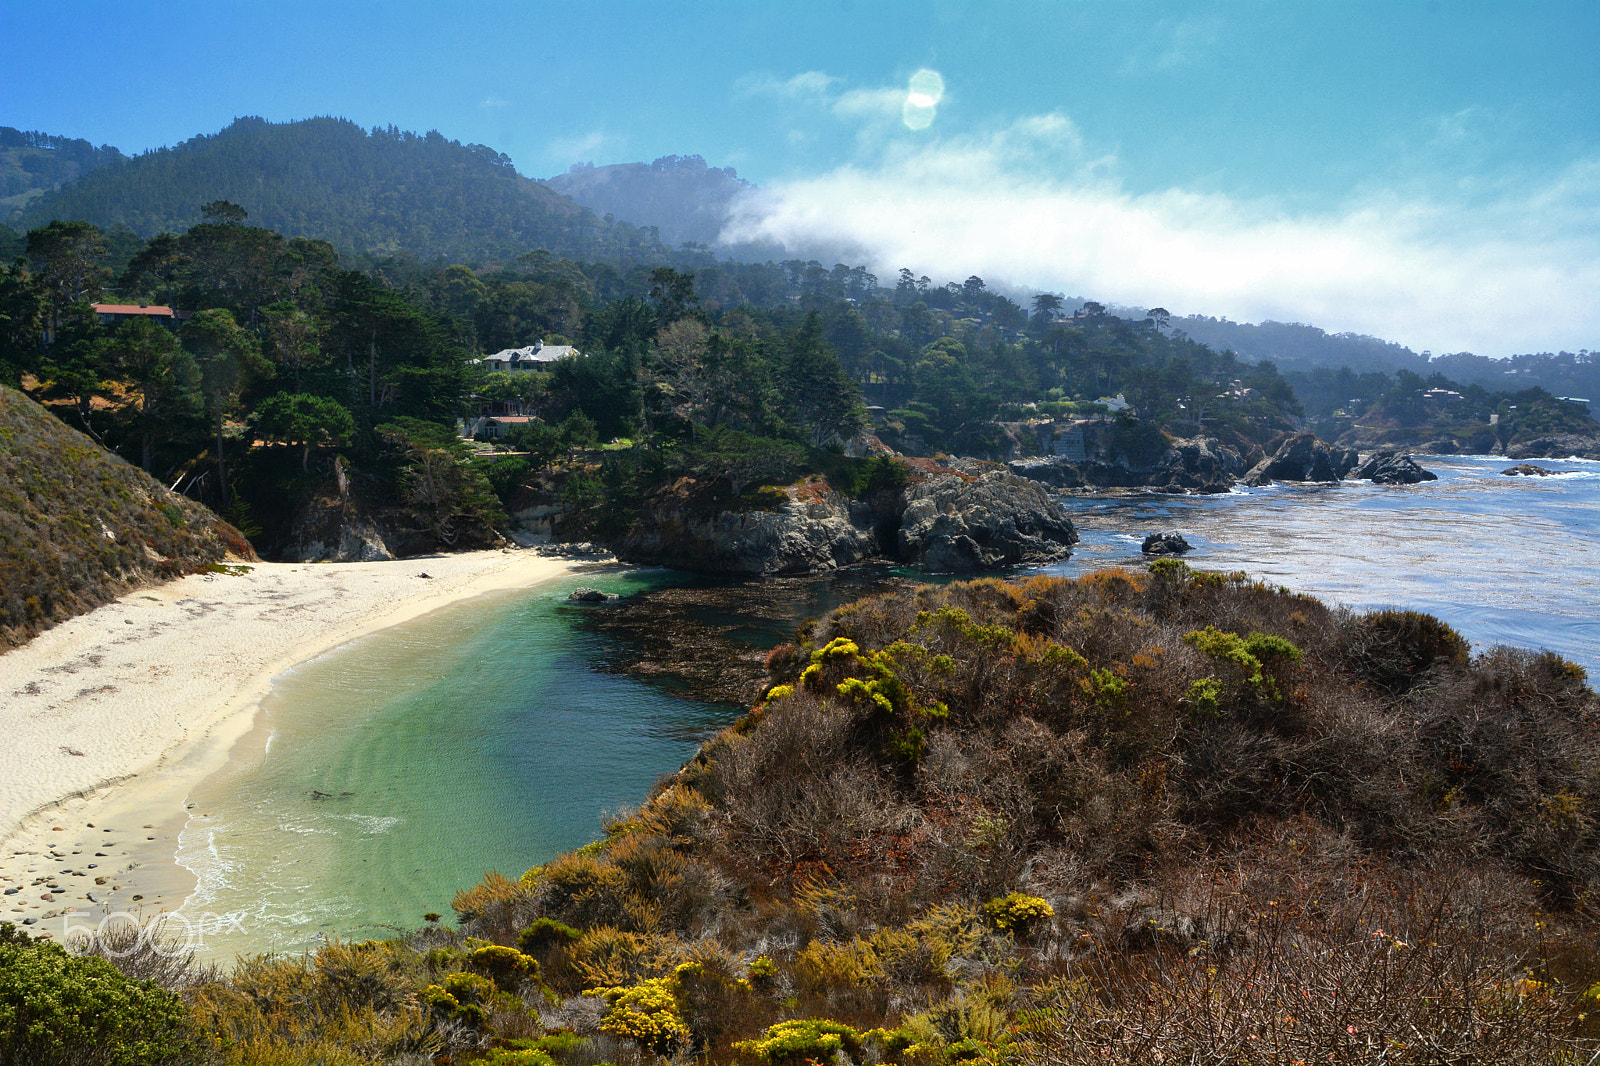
1424	171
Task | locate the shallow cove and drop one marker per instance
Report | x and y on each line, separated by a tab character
385	775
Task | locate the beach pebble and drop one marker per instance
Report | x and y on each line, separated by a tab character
99	880
29	921
48	898
137	898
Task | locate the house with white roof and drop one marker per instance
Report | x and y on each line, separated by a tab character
536	356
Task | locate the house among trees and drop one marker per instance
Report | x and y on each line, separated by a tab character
535	356
113	313
492	427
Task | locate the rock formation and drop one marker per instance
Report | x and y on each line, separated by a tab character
1168	543
810	531
1303	457
960	517
1392	468
1556	446
957	523
1199	464
1526	470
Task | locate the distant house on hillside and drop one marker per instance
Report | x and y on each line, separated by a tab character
535	356
110	313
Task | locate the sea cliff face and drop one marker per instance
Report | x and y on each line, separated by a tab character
812	530
946	519
1198	465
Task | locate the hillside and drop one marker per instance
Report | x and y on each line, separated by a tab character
383	192
1130	818
680	196
79	527
34	163
1296	346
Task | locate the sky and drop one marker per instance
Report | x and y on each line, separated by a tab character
1426	171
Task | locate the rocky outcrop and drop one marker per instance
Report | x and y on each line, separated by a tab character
1168	543
1526	470
585	594
1556	446
1200	465
1303	457
326	532
956	523
810	531
1392	468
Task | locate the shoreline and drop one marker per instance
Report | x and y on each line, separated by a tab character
112	717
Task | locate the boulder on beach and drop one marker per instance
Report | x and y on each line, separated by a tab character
1392	468
1526	470
1168	543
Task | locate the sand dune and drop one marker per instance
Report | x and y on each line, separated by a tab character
107	720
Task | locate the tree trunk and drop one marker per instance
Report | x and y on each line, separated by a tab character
222	470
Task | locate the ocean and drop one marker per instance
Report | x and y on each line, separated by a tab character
385	775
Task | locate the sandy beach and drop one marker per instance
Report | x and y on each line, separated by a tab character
110	718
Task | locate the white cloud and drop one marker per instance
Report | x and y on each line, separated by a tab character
1026	205
581	147
1171	44
493	101
810	83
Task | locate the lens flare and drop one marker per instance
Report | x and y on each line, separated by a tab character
922	99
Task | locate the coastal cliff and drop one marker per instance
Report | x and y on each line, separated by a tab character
1197	465
945	518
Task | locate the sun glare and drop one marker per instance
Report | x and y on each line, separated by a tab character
922	99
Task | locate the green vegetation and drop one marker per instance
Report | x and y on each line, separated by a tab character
58	1009
1390	849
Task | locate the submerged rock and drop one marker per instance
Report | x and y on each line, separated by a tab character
1303	457
1526	470
1392	468
1168	543
957	523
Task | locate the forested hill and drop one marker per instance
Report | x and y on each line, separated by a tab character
681	196
33	163
1296	346
386	191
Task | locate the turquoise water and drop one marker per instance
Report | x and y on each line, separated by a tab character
384	776
485	737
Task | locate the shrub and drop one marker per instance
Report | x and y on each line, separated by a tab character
1390	649
1017	912
815	1039
645	1013
60	1010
